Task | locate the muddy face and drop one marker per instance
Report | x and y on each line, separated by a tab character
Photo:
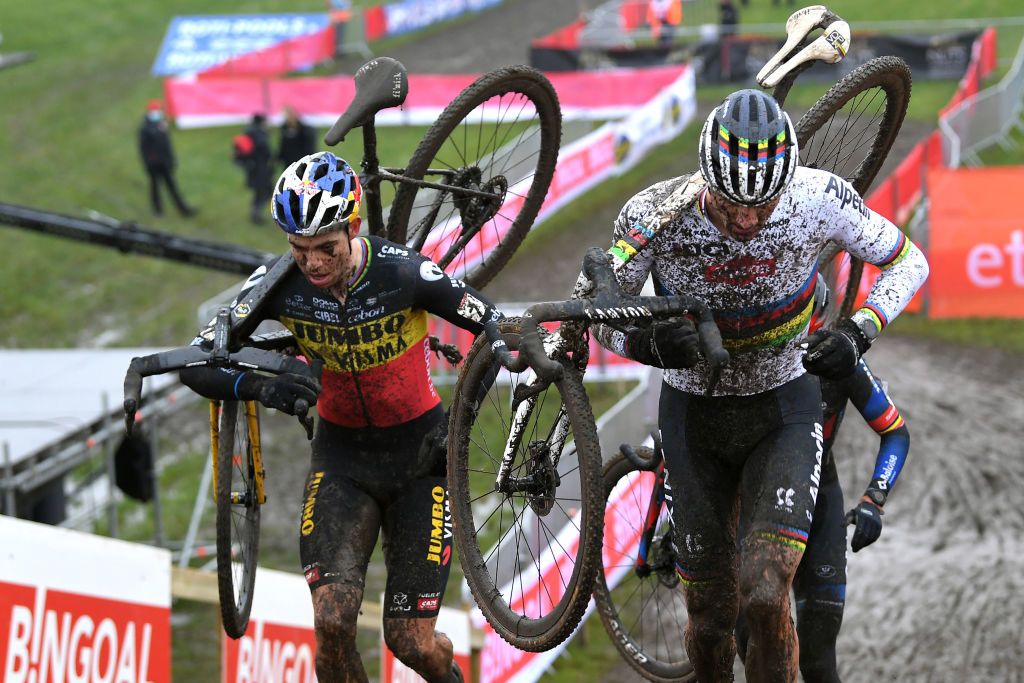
742	223
327	260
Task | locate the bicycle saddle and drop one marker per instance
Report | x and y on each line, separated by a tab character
380	83
830	47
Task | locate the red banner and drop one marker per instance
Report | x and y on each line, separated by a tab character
58	636
270	652
976	245
212	101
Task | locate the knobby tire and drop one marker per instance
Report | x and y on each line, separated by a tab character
475	448
483	155
237	525
644	616
849	131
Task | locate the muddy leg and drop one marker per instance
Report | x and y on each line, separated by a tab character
420	647
335	610
766	573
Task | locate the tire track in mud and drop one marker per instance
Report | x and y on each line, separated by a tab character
940	596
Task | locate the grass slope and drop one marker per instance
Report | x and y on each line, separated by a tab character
68	141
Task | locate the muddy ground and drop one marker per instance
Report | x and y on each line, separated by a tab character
940	597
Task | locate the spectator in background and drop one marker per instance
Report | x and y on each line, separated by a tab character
341	14
663	17
158	158
296	139
252	153
728	17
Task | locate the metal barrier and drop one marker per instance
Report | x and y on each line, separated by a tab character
985	118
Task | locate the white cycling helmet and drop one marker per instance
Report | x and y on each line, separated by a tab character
748	148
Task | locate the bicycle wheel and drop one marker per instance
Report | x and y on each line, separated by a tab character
238	511
499	136
849	131
640	604
530	552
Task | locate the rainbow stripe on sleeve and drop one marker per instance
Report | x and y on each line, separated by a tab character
896	254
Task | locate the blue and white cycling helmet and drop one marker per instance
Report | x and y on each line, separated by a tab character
317	194
748	148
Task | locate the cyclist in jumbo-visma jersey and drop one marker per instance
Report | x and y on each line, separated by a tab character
749	245
360	304
819	586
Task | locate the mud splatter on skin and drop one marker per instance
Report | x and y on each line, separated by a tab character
335	610
420	647
766	573
710	640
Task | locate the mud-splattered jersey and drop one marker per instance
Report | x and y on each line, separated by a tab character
762	291
374	346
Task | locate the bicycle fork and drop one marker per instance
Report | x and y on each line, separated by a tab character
555	442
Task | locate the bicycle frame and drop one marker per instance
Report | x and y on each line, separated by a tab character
252	426
562	339
382	83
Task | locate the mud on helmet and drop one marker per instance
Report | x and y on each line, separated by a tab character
317	194
748	148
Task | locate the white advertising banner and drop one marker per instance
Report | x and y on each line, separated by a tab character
79	607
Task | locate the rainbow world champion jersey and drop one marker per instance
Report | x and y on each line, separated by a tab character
762	291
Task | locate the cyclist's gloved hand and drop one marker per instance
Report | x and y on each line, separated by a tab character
833	354
665	344
280	392
867	518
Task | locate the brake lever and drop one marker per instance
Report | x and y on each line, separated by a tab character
301	410
302	406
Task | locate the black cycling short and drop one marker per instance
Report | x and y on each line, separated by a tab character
767	448
820	581
361	481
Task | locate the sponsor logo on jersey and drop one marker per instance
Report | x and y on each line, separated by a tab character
784	499
312	573
388	250
712	249
242	310
472	308
399	603
740	271
846	194
361	314
358	346
430	271
295	302
886	476
825	571
325	303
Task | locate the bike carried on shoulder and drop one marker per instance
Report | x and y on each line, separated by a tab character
848	131
509	433
467	198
